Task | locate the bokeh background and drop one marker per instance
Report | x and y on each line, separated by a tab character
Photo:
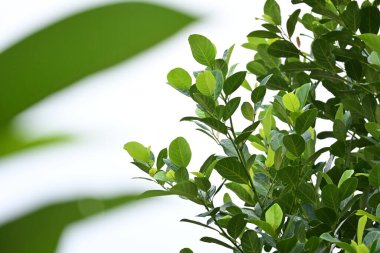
130	101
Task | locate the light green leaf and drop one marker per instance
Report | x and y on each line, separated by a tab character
371	216
264	226
371	40
274	215
71	49
374	129
179	79
202	49
374	58
360	230
272	9
247	111
302	94
346	175
40	230
243	191
137	151
231	169
295	144
180	152
291	102
267	122
206	83
256	68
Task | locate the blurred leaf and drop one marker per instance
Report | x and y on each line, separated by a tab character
40	230
12	141
73	48
374	176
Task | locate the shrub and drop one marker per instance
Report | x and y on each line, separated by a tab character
295	200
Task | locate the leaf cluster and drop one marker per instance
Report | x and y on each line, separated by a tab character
295	200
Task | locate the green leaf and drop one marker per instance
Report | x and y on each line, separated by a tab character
371	216
289	175
346	175
286	245
256	68
202	49
243	191
231	107
326	215
299	66
233	82
374	176
160	158
206	83
267	59
250	242
236	225
181	175
274	215
305	120
267	122
347	188
360	231
40	230
180	152
306	193
351	16
295	144
263	34
207	103
272	9
179	79
322	52
374	58
302	94
339	130
371	40
258	94
292	21
330	196
354	69
216	241
264	226
282	48
186	189
369	20
247	111
65	52
374	129
347	247
291	102
203	183
137	151
231	169
213	123
186	250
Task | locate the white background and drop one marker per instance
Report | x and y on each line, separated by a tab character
128	102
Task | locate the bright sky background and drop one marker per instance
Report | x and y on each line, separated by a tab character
128	102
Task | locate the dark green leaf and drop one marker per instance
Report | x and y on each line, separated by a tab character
306	193
282	48
292	21
339	130
295	144
196	223
374	176
289	175
322	52
263	34
203	183
250	242
347	188
330	196
180	152
236	225
233	82
272	9
306	120
271	28
222	66
160	158
64	53
286	245
369	20
258	94
351	16
186	250
231	169
216	241
354	69
207	103
299	67
202	49
231	107
213	123
326	215
40	230
182	175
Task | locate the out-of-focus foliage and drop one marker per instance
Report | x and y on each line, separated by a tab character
294	200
